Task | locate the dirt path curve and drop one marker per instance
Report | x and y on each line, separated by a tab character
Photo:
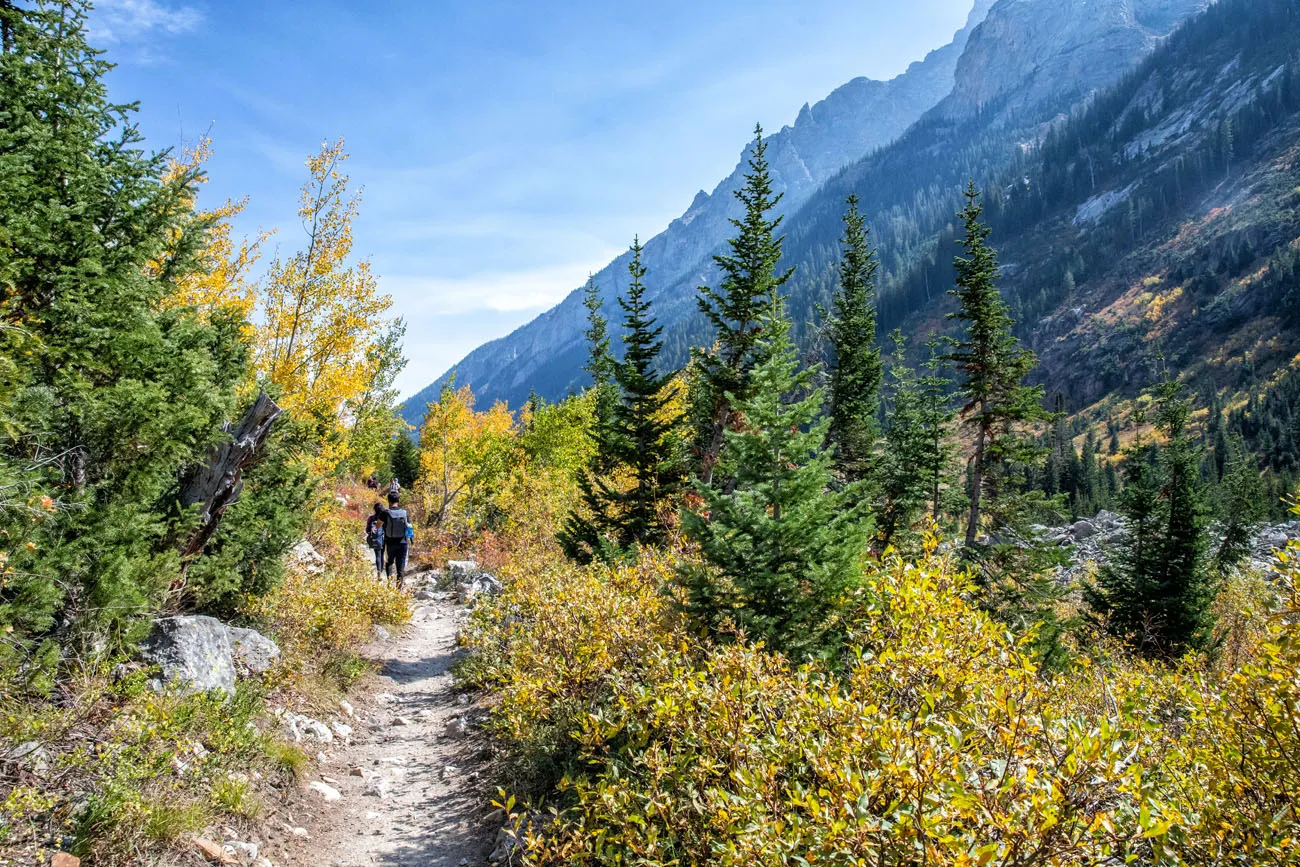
409	784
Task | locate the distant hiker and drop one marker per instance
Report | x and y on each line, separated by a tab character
398	533
375	535
394	487
372	483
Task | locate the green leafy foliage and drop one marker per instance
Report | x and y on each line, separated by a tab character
1158	592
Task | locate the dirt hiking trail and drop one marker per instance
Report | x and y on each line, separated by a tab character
408	784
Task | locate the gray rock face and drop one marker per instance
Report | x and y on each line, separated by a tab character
854	120
193	652
1027	52
253	650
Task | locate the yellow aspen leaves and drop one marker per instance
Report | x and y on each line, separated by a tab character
321	307
224	280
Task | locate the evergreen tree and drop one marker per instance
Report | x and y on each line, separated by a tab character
600	366
936	419
405	460
737	309
642	422
993	366
780	551
122	395
1157	592
856	369
639	439
904	482
1240	506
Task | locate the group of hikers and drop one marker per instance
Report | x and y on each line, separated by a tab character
389	532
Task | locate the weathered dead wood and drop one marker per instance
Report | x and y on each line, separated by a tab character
218	484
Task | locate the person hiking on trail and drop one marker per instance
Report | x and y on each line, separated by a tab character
397	538
394	487
375	535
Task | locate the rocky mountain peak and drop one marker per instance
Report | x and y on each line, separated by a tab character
1026	53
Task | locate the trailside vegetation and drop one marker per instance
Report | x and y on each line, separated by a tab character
134	338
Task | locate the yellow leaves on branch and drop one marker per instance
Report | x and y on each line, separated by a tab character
223	281
463	454
322	309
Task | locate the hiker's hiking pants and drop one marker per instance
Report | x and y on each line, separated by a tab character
396	557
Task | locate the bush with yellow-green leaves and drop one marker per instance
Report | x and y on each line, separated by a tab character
937	742
104	768
114	773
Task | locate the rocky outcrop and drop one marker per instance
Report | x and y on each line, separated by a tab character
1093	541
196	653
1030	52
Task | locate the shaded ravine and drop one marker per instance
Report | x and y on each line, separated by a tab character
409	779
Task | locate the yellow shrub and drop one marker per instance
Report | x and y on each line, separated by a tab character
319	616
939	743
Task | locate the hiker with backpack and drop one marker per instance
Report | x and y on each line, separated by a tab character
375	535
398	533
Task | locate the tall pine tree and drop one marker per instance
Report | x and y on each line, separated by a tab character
856	369
936	417
993	365
780	550
600	366
904	487
640	443
739	306
1157	592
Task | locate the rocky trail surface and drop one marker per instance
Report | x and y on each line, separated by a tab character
399	785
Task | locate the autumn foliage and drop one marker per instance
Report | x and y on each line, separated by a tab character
940	743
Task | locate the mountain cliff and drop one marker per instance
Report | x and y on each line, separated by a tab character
970	109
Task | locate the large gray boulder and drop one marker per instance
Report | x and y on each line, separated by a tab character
253	650
193	652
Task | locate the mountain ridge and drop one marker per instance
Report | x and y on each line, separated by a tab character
546	355
803	156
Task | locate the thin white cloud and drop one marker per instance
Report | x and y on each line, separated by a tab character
121	21
531	290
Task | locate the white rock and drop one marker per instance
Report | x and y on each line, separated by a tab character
329	793
343	731
382	634
346	707
378	787
244	853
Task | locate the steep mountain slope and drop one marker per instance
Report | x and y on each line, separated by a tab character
1004	95
852	121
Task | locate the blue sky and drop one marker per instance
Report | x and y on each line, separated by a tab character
507	148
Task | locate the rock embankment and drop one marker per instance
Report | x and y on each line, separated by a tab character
1094	540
